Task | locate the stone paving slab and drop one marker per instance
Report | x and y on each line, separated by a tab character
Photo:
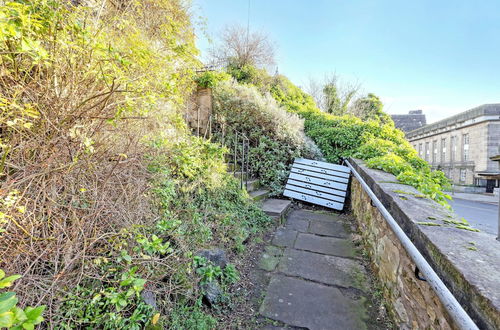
331	228
275	207
323	268
301	303
326	245
297	224
284	237
313	216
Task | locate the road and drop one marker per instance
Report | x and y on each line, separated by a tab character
482	216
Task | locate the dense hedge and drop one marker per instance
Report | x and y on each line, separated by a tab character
276	136
380	144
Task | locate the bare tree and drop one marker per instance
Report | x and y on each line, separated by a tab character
237	46
333	95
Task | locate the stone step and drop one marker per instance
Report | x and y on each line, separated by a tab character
253	185
259	195
276	207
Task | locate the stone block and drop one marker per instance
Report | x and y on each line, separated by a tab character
314	306
326	245
284	237
323	268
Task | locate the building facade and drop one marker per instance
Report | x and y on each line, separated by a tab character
462	145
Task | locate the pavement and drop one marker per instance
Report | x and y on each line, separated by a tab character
317	279
483	198
483	216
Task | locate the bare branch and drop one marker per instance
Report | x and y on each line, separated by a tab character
240	48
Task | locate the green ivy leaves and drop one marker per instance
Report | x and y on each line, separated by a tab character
12	316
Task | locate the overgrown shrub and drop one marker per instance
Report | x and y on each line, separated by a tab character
276	136
104	193
209	79
376	141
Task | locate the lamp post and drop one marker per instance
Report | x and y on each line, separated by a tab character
497	159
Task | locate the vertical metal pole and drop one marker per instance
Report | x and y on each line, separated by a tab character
235	147
210	127
248	163
498	232
242	171
198	120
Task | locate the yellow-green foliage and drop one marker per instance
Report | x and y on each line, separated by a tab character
276	136
376	141
103	190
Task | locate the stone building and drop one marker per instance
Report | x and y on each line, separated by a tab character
461	146
413	120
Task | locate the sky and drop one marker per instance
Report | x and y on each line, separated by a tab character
440	56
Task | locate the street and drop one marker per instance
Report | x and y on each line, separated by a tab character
482	216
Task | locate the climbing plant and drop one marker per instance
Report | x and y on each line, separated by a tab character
372	138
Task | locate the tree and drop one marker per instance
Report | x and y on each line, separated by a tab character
332	95
238	48
370	107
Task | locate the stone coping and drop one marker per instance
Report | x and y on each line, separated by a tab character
482	110
467	262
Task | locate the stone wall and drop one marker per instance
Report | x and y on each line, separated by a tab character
199	110
467	262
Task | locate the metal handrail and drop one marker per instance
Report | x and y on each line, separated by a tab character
450	303
240	142
245	148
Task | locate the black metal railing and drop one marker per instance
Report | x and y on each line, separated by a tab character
240	157
235	141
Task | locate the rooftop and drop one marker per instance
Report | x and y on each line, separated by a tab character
482	110
413	120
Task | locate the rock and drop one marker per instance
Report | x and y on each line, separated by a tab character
149	298
212	293
216	256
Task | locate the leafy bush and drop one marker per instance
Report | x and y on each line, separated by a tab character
276	136
104	192
11	316
209	79
376	141
191	317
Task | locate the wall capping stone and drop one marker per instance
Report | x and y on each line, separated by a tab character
467	262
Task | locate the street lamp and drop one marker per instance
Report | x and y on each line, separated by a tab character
497	159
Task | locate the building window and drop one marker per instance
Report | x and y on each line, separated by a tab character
443	150
427	151
463	175
465	139
434	151
420	150
453	148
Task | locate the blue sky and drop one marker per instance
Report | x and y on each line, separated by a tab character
439	56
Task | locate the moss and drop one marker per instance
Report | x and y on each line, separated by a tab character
409	193
467	228
428	224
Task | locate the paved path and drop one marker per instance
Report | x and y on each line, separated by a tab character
483	198
482	216
317	282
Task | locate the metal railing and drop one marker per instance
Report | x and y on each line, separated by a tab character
450	303
241	148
